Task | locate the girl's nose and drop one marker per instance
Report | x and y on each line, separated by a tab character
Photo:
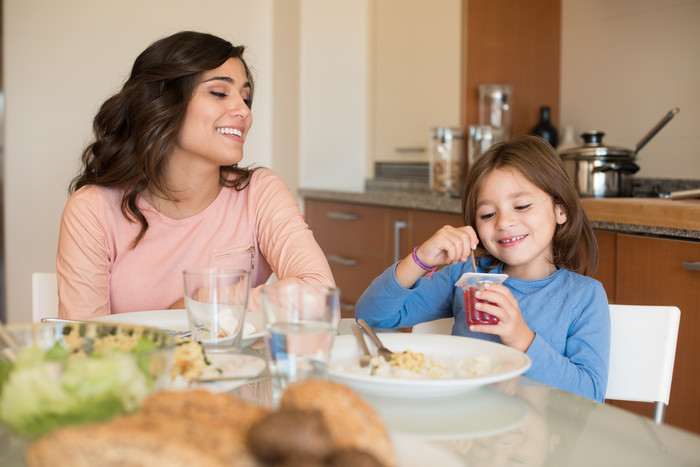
505	220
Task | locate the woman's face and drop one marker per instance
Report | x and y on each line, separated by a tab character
217	119
516	221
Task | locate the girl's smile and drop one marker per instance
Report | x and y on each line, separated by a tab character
516	221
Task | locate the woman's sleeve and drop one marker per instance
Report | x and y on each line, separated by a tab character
82	261
583	369
284	237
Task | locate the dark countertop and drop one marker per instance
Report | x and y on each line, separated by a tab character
649	216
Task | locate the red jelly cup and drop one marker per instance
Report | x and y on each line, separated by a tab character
470	283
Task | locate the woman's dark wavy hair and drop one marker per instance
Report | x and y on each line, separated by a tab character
135	130
574	244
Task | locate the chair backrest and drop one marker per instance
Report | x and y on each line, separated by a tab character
439	326
44	296
642	352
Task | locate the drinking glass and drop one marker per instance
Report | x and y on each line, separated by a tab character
300	322
216	300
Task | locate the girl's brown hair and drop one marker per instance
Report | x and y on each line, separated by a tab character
574	244
135	130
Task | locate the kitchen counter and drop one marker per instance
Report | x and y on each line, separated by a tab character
651	216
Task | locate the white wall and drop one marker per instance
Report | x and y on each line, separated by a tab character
334	74
62	59
625	64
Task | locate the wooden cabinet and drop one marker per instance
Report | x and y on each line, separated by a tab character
638	270
361	241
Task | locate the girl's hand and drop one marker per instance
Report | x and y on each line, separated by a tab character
511	327
449	245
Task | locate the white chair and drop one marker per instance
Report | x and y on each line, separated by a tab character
44	296
642	351
439	326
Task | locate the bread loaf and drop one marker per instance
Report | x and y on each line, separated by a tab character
352	422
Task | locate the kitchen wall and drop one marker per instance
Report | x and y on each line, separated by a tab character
625	64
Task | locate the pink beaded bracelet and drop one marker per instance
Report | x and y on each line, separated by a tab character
423	266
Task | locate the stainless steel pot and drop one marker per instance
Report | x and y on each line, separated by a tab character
600	171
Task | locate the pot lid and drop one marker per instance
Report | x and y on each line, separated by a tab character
593	147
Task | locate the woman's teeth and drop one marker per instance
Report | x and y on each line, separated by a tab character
512	239
230	131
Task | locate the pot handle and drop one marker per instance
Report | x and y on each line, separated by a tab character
607	167
672	113
629	168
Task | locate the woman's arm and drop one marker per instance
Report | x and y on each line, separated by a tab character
284	237
82	261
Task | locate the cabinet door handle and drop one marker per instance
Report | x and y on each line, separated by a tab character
409	149
337	259
398	225
341	216
692	266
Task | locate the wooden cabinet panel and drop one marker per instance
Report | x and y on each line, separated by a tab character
650	272
607	264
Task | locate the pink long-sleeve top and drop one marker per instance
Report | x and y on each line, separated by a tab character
259	227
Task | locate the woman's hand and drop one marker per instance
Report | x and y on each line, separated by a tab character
511	327
449	245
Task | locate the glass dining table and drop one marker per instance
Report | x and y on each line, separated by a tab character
522	422
517	422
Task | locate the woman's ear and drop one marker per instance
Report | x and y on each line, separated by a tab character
560	214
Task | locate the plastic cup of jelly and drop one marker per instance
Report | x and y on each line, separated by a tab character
471	282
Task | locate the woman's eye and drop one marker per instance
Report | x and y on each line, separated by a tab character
218	94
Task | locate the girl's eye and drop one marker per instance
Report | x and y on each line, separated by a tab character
485	217
522	208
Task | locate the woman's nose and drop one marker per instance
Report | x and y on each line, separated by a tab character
240	108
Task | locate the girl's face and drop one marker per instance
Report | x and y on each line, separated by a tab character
217	119
516	221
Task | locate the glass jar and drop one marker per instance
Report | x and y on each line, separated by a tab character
447	162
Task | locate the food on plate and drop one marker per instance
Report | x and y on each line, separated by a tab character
352	423
319	423
409	364
189	360
80	373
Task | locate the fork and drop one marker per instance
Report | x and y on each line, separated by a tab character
366	357
381	350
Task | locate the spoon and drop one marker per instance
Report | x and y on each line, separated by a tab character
381	350
366	357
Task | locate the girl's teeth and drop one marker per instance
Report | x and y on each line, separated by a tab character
230	131
513	239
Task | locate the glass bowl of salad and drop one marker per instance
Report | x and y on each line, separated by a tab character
68	373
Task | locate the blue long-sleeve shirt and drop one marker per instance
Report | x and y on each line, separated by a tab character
568	313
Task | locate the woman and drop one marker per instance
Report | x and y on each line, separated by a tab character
161	191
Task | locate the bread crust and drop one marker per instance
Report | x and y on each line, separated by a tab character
352	422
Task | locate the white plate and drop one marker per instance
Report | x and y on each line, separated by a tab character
245	367
412	452
506	363
482	412
176	320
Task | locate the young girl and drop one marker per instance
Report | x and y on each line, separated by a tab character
523	218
